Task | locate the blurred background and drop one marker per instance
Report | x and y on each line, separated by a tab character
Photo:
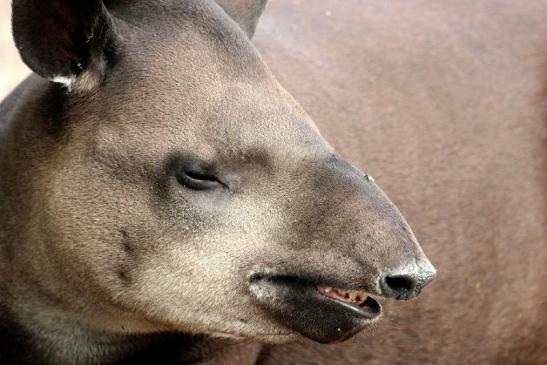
12	70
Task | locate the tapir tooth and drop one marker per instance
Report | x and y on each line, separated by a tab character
350	296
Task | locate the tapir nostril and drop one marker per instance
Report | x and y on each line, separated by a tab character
401	286
401	283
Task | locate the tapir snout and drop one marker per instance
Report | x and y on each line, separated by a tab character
342	234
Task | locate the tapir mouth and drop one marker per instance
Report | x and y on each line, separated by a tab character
317	311
357	300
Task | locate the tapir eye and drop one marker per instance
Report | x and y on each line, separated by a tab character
196	175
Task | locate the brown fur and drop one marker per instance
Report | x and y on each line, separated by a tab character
445	104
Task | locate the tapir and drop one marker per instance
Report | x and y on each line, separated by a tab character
164	200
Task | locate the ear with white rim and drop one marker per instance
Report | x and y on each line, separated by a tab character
245	12
67	41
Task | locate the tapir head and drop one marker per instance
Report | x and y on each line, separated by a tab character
171	184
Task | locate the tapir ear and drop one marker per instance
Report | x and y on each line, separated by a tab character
245	12
67	41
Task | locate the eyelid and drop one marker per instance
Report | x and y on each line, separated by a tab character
201	175
198	175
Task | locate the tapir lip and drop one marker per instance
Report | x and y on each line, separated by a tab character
312	280
295	302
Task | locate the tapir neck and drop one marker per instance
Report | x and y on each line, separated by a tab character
58	340
19	347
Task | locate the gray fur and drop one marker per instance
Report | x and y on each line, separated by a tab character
106	259
244	12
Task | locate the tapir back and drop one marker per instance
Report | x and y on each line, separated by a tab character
446	106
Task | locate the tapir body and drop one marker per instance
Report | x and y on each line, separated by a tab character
445	104
165	200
